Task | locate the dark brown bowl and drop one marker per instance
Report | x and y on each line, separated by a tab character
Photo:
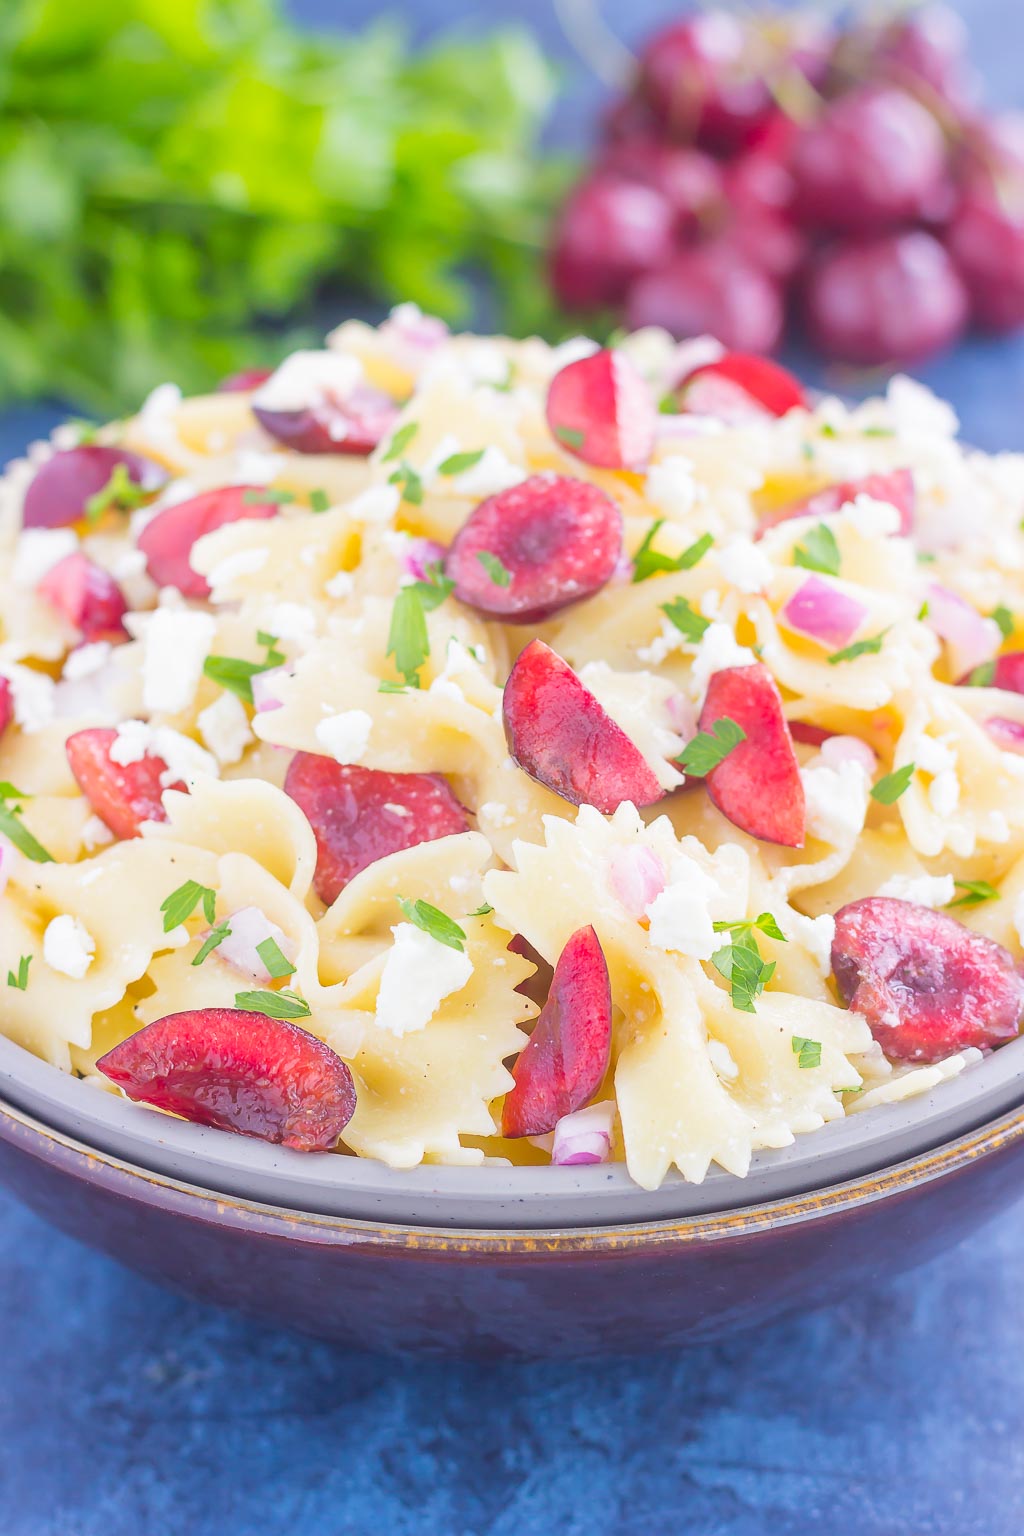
578	1291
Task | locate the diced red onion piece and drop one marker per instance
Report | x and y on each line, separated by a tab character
846	749
250	927
1008	735
971	639
583	1137
419	555
824	613
265	686
637	877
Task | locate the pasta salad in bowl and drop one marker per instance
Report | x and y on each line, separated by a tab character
463	751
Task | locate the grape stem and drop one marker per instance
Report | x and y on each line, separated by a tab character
595	42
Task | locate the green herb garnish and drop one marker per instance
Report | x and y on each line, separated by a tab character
433	921
458	463
180	904
409	482
499	573
274	958
14	829
267	496
685	618
236	674
740	962
276	1005
888	790
120	494
572	437
650	562
216	936
818	552
400	442
870	647
974	893
20	981
807	1052
709	748
1005	620
408	641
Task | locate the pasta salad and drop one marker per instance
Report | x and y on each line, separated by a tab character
461	750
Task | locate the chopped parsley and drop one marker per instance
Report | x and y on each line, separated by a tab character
20	981
1005	620
276	1005
974	893
572	437
709	748
267	496
319	501
818	552
236	674
869	647
409	482
685	618
983	676
888	790
216	936
483	911
649	562
400	441
498	572
120	494
408	641
180	904
740	962
433	921
765	924
14	829
807	1052
274	958
458	463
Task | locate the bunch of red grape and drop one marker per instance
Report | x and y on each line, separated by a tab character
775	166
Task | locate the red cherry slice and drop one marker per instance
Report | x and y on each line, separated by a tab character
565	1059
601	410
167	540
738	379
64	484
927	985
758	785
558	540
897	488
360	815
559	734
809	735
354	426
123	795
241	1072
6	705
243	382
87	596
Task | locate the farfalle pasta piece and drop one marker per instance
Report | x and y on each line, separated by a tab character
244	816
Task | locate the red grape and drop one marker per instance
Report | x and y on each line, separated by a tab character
696	77
894	299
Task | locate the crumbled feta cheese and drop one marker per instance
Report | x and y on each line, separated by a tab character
494	814
308	379
493	473
68	947
680	915
933	756
177	642
254	466
341	585
915	410
345	736
671	486
224	727
871	518
926	890
944	793
96	834
419	973
292	621
86	660
186	760
32	694
717	648
745	565
378	504
816	935
721	1059
38	551
836	800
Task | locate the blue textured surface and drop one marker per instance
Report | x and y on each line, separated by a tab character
125	1412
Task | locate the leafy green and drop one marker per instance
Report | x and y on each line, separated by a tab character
216	936
496	570
274	958
869	647
174	171
180	904
709	748
276	1005
888	789
236	674
433	921
685	618
807	1052
974	893
649	562
408	641
14	829
1004	619
20	981
819	551
458	463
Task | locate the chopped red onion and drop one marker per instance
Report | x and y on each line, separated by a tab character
637	877
250	927
1007	734
265	686
584	1137
847	749
971	639
824	613
419	555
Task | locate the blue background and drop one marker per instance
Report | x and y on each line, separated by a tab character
126	1412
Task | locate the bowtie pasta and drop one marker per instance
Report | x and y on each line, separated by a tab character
453	749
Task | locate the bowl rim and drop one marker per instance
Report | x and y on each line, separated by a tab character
85	1163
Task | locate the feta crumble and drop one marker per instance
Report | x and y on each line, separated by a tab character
419	973
68	947
176	643
926	890
224	727
345	736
